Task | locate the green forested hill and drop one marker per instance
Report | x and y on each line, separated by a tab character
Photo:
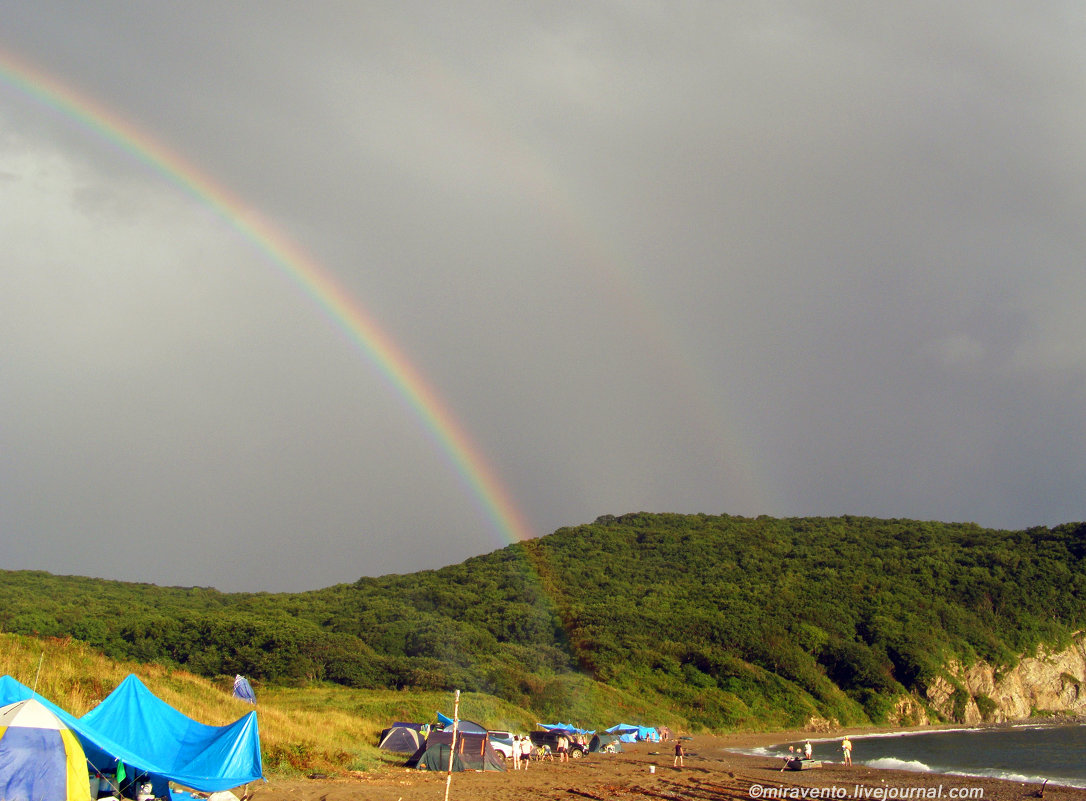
727	620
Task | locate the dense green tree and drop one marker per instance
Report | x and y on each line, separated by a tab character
733	620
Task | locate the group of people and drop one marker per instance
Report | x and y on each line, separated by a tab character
523	749
566	741
806	751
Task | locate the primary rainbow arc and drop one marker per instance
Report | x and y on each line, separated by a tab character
309	276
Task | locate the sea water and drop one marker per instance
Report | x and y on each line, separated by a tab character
1026	753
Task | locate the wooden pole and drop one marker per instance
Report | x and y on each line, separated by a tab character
41	659
452	745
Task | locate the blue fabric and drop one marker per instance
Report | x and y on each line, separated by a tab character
569	727
631	732
134	726
12	691
463	725
206	758
627	733
101	752
32	765
244	690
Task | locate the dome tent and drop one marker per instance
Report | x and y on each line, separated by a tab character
155	741
40	757
401	740
473	751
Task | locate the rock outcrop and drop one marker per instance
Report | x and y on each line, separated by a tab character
1045	683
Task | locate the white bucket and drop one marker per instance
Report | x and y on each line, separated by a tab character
652	768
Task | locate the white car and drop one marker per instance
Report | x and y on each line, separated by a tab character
502	742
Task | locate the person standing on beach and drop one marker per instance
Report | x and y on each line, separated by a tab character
808	750
679	754
846	746
515	752
526	750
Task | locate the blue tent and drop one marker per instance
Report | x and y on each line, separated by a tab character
102	753
40	758
134	727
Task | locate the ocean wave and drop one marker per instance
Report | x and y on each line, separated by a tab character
1022	778
760	750
891	763
915	732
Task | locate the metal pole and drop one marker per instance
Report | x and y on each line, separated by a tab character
452	746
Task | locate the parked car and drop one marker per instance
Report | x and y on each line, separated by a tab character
502	742
550	739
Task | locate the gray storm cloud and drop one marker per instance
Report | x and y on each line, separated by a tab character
759	258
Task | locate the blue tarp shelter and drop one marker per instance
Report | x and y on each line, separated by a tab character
102	753
137	728
469	726
631	732
566	727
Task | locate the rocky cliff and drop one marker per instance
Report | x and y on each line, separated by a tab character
1050	682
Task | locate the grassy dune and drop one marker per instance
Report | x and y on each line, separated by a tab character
301	730
324	728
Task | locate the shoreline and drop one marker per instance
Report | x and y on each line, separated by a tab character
716	768
757	743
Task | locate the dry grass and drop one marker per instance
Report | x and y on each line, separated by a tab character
298	732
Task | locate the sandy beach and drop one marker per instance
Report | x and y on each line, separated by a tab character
712	771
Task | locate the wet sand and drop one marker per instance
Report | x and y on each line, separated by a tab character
712	772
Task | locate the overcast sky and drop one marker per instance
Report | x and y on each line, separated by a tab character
779	258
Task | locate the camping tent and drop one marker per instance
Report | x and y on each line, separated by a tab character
102	753
401	740
605	742
40	758
134	728
473	752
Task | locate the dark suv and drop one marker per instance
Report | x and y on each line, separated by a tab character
550	739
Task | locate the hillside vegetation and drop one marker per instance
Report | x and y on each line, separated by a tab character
301	733
713	622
